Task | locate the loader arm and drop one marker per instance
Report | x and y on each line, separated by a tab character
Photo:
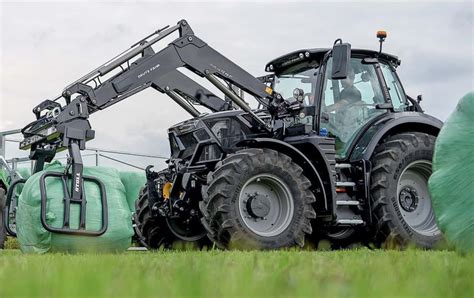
57	125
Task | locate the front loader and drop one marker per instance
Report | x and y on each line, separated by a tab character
335	149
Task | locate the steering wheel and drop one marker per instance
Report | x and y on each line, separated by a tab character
342	114
349	106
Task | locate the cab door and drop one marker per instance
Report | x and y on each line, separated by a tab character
347	105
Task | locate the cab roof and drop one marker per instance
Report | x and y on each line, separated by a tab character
283	62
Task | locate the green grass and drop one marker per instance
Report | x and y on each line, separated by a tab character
12	243
356	273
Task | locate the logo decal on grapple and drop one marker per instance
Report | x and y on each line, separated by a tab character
77	181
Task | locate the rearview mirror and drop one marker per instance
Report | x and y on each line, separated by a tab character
341	55
419	98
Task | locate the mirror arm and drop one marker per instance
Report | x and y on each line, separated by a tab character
415	103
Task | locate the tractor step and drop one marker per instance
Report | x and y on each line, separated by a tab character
343	166
345	184
347	203
350	222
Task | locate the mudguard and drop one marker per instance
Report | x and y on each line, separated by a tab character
390	124
325	206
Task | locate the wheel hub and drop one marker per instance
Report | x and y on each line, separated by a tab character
258	205
266	205
409	199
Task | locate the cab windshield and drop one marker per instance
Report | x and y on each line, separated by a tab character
286	83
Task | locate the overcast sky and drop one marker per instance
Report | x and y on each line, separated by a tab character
45	46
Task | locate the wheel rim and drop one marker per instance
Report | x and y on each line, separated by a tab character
414	200
266	205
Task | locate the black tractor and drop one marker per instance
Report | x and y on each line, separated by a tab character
335	150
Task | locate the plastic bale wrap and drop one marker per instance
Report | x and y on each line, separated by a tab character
452	182
34	238
3	177
25	174
133	182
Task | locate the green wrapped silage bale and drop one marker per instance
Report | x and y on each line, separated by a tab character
24	172
133	182
34	238
452	182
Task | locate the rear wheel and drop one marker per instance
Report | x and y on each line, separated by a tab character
258	199
401	202
3	232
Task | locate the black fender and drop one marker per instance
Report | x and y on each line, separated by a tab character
391	124
324	199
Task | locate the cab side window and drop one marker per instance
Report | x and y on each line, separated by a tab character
394	87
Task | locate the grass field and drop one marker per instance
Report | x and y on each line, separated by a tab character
355	273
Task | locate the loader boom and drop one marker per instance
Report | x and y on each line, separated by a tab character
156	70
67	127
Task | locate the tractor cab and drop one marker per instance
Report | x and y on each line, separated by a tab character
349	89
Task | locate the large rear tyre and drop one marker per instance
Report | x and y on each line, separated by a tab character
258	199
401	203
3	232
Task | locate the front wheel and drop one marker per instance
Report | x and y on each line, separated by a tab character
258	199
151	232
401	202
